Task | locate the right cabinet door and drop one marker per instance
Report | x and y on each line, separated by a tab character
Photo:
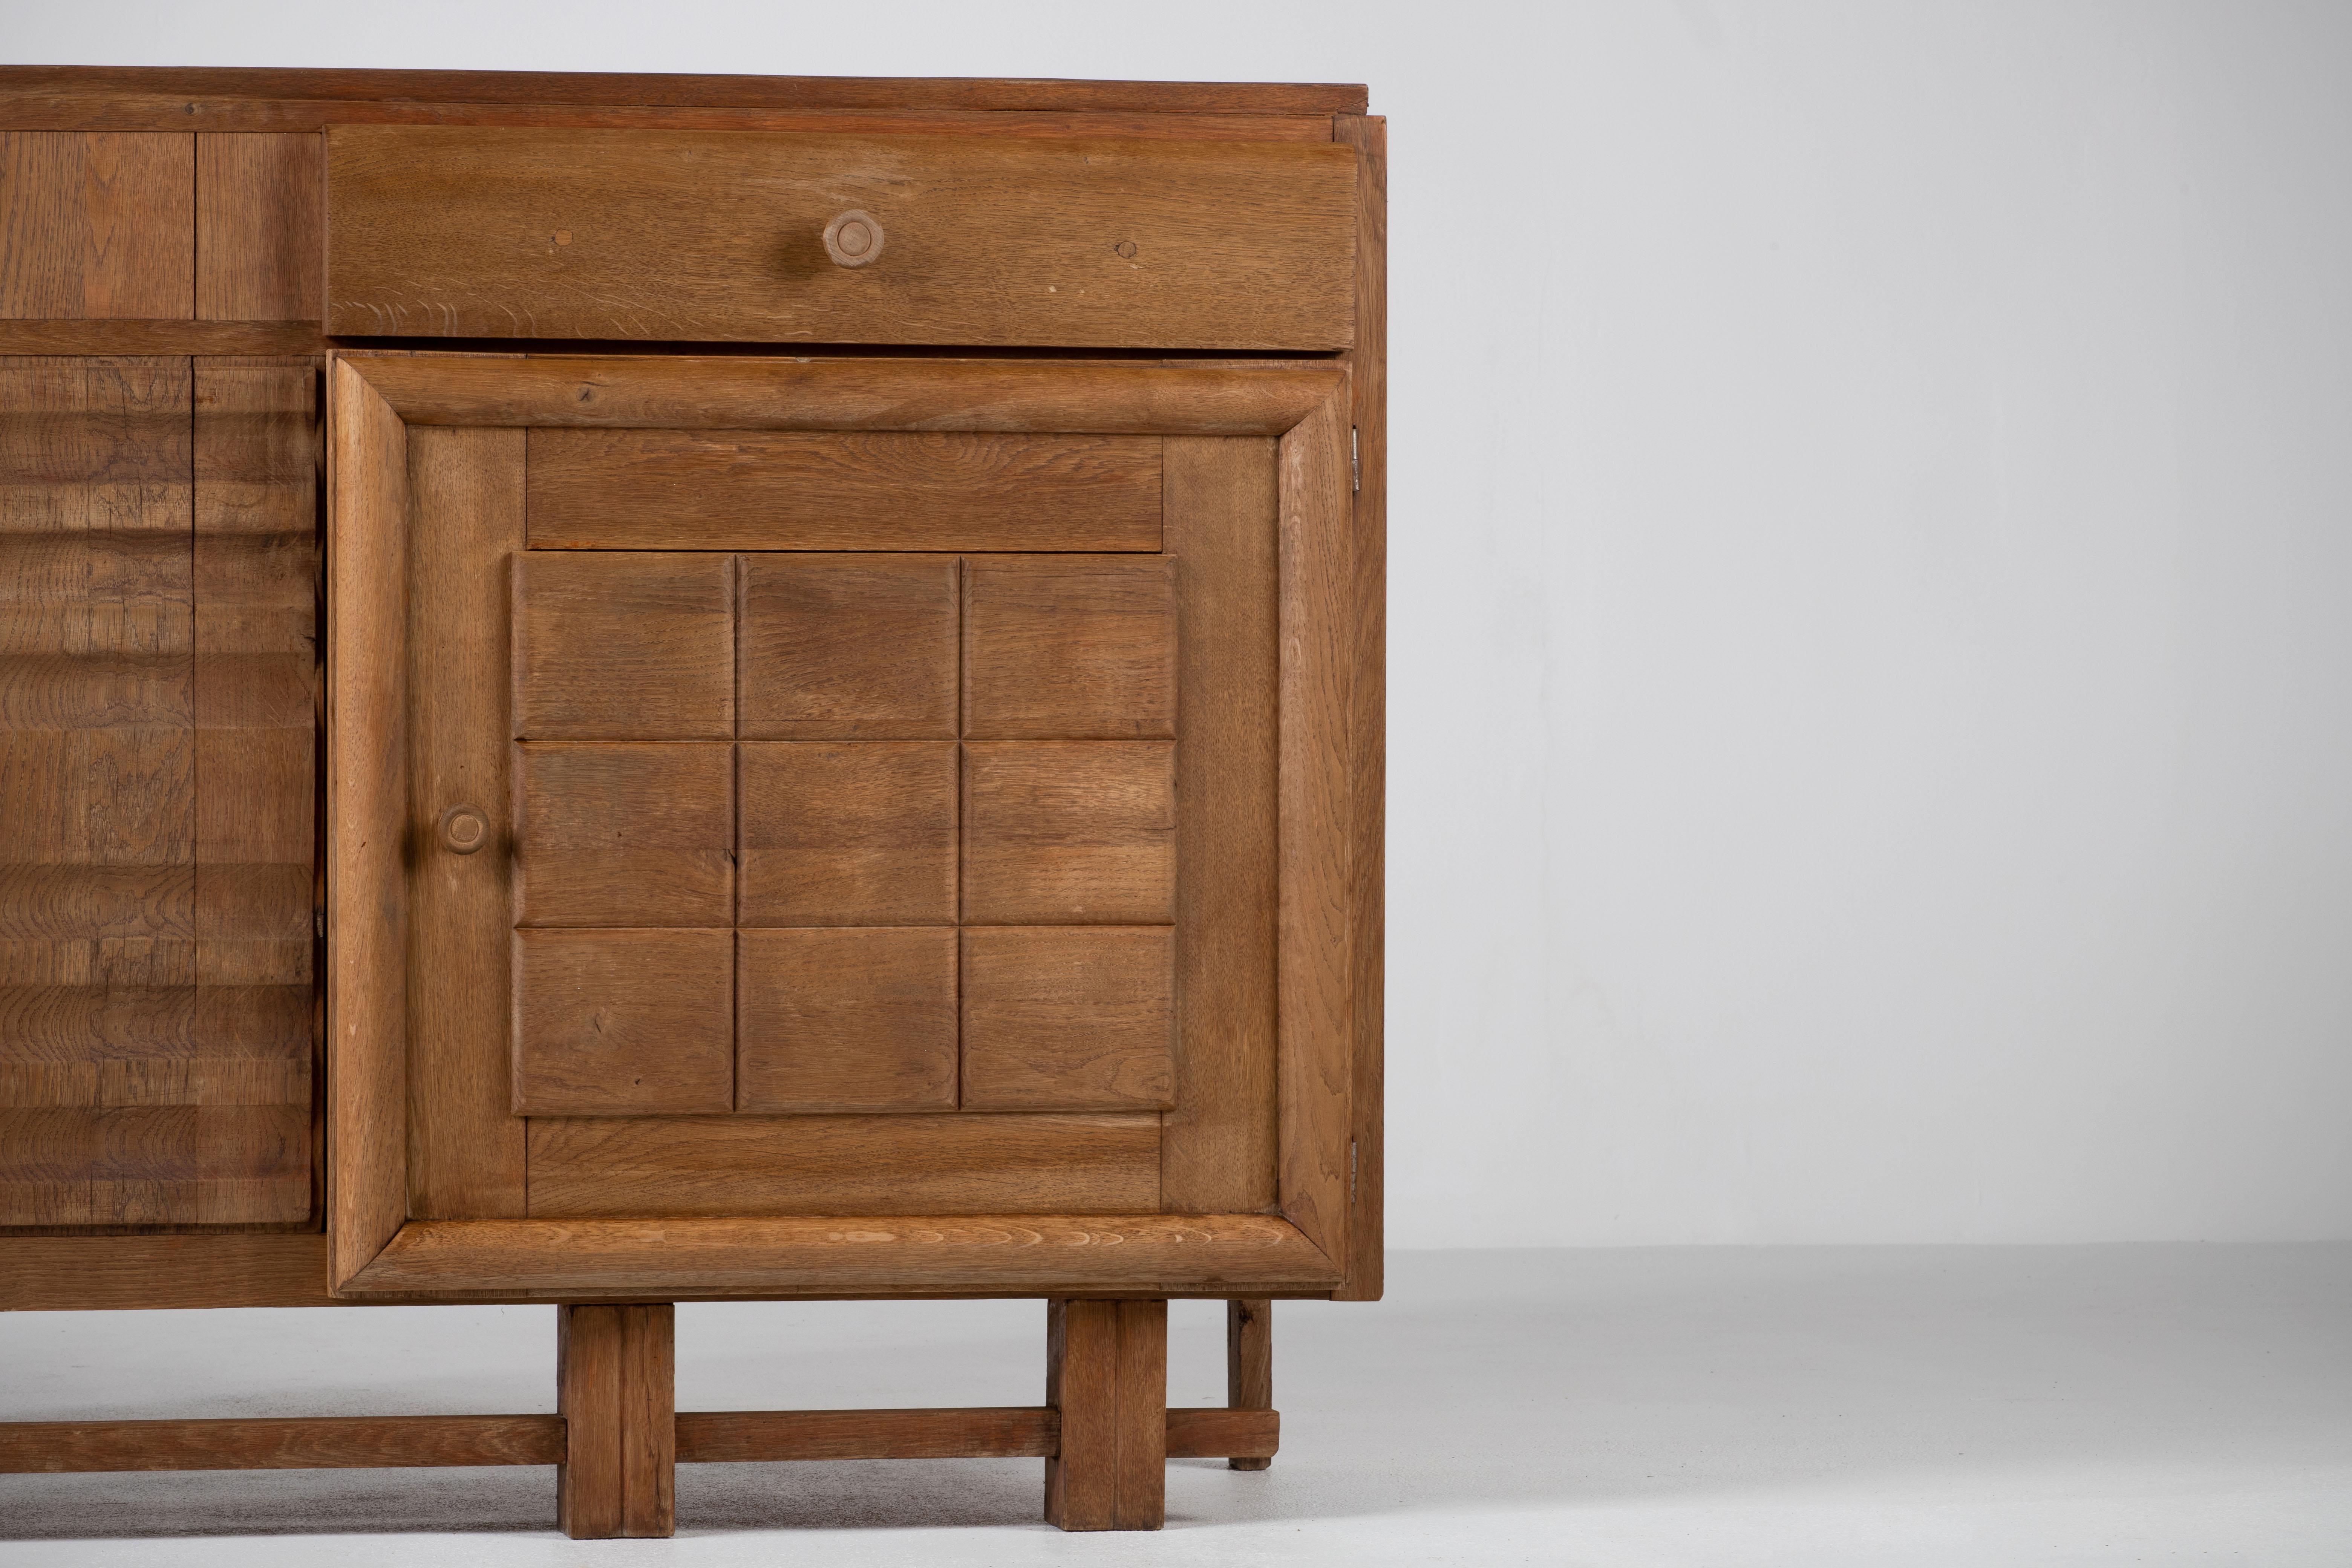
833	791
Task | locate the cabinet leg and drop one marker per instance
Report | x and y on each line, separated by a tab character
615	1373
1249	1363
1107	1373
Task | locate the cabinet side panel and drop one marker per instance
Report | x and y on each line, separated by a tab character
1368	732
1217	1146
465	1144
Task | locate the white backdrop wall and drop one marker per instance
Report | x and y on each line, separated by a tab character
1871	622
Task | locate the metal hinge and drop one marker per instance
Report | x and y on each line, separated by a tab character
1355	464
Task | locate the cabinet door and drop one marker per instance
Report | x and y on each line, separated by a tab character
837	828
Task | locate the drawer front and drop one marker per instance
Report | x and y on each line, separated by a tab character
727	235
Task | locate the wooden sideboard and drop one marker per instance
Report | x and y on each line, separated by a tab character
625	690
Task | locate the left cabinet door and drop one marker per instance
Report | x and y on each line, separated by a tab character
158	822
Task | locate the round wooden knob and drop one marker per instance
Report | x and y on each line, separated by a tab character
853	238
464	829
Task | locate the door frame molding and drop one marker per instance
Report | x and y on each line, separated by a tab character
376	1251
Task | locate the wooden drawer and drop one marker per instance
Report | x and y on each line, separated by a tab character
714	235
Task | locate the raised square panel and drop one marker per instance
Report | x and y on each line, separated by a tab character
1069	648
849	646
621	645
1069	1018
847	1018
626	833
622	1023
1081	832
861	832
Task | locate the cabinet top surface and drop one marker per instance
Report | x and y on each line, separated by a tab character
766	92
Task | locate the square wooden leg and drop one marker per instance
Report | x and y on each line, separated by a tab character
1107	1373
617	1389
1249	1365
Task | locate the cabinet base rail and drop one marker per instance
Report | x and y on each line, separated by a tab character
704	1436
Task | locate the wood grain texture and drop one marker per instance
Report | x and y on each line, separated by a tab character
1142	1416
622	1023
130	110
1069	1018
101	337
887	491
648	1420
847	1019
468	90
129	1097
848	647
107	1273
1082	1389
588	1496
847	1165
1107	1375
1367	721
255	570
1196	1255
1249	1373
623	647
282	1443
1078	832
465	1146
1245	1439
257	206
749	392
759	1436
367	817
857	834
456	232
97	225
1217	1148
1068	647
627	834
1316	963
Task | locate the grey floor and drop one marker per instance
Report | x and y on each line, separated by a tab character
1976	1407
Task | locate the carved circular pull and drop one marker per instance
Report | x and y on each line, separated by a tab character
464	829
853	238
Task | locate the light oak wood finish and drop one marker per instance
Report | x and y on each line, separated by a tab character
108	338
1069	1018
99	225
847	1019
639	647
282	1443
847	1166
367	818
1367	720
465	1147
764	1437
624	834
615	1380
1245	1439
727	392
1217	1145
622	1023
887	490
477	92
1217	1255
861	834
155	942
1249	1372
689	235
1316	961
257	206
1080	832
1106	1376
1068	647
848	647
